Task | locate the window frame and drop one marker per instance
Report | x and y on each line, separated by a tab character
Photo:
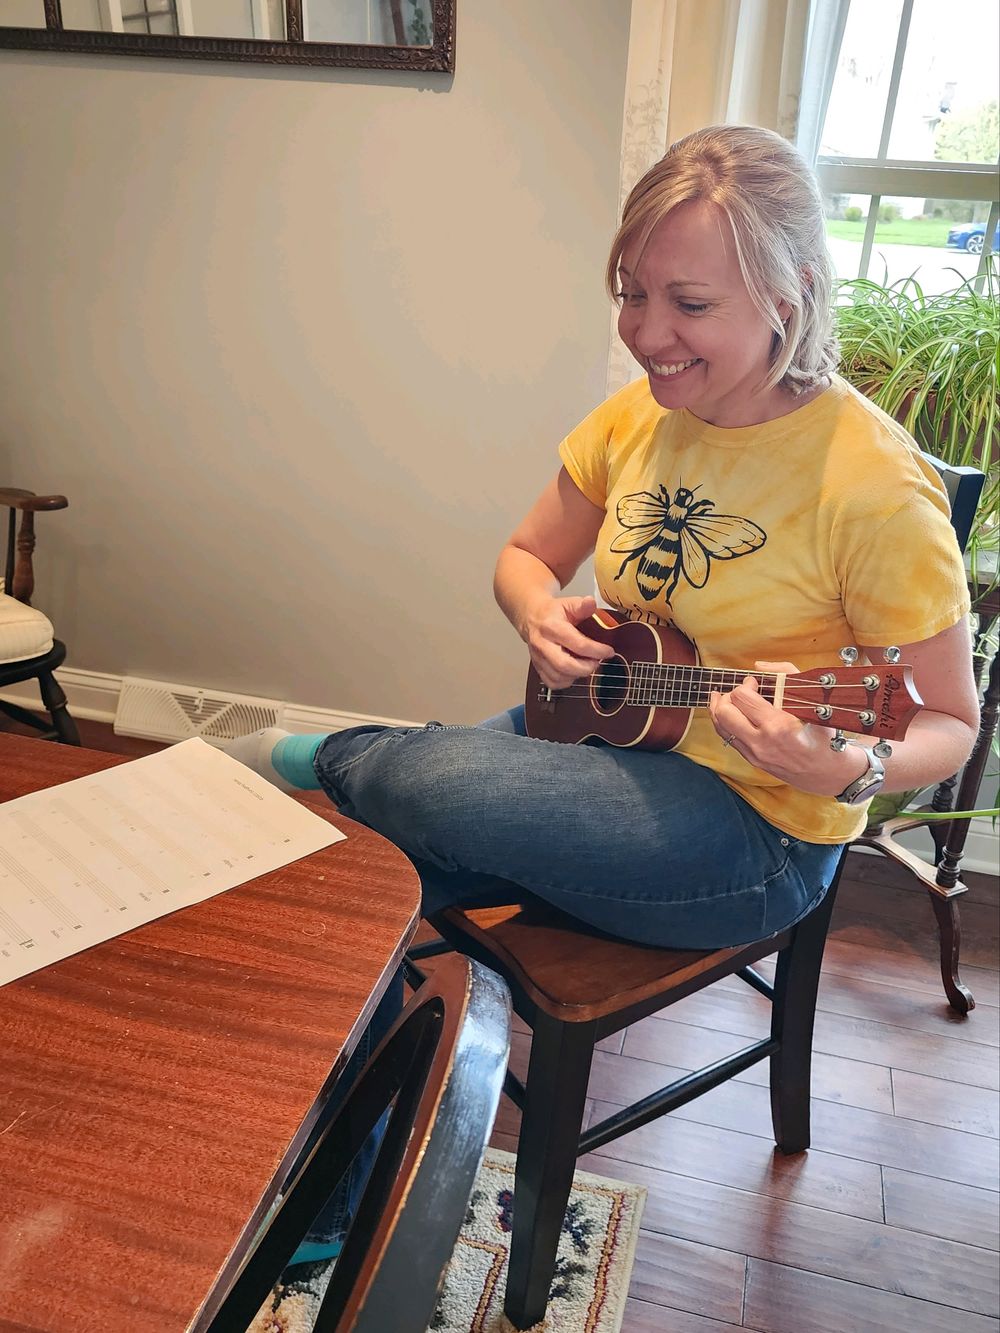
882	176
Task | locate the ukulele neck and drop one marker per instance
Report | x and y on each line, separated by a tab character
660	685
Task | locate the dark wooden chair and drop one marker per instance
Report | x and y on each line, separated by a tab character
942	880
573	987
964	486
28	649
441	1069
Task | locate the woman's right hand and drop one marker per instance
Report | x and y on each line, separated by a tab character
559	652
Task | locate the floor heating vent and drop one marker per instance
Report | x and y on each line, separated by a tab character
159	711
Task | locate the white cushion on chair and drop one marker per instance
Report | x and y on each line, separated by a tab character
24	632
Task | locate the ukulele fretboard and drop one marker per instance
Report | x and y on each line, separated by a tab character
660	685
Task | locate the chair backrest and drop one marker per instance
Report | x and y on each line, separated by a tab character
964	486
18	574
441	1068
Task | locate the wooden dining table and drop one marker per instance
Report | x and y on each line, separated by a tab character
156	1089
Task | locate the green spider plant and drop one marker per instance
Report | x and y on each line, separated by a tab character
933	363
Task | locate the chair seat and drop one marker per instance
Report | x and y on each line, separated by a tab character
578	975
24	632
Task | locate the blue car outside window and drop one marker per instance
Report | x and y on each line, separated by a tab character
970	236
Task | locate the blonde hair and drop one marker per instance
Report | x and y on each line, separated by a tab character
766	190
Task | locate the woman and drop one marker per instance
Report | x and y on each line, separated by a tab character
746	494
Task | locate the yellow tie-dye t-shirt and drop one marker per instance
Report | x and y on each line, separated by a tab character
822	529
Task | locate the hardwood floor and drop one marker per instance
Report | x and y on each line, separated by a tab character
890	1222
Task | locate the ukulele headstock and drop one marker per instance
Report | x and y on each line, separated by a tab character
875	700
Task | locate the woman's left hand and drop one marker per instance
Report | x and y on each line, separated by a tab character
796	752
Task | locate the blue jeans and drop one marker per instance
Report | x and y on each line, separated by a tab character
644	845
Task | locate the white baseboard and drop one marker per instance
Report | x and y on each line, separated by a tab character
94	695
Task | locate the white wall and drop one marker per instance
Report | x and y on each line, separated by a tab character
299	345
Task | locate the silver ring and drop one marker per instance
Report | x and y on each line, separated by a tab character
729	739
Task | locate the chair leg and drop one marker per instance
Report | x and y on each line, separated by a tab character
555	1099
55	702
950	931
796	986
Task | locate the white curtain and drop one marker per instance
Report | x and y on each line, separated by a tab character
707	62
827	20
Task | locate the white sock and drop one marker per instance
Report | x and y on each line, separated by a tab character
255	751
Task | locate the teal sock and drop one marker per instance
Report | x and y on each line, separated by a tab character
313	1252
292	759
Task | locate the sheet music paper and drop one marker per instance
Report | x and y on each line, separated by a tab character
90	859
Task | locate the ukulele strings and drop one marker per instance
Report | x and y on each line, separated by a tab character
697	692
788	702
694	687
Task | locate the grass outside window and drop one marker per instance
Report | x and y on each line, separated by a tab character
903	231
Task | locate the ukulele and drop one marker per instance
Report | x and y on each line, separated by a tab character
644	695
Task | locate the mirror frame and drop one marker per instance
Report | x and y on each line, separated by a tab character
440	55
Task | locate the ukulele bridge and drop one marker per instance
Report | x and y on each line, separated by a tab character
546	699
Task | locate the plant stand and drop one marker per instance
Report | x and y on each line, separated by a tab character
943	881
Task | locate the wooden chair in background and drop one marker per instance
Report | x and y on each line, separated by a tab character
28	649
441	1068
942	880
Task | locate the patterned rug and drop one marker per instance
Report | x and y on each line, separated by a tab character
593	1269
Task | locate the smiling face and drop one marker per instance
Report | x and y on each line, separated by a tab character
689	320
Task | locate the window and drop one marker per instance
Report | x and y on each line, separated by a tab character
910	145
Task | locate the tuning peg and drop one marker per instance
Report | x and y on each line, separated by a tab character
848	656
892	655
883	749
839	740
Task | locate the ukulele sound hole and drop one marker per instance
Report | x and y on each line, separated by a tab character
610	685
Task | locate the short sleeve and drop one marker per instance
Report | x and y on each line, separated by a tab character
584	454
593	452
906	582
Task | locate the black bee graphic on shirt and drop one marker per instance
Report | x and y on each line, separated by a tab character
679	536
